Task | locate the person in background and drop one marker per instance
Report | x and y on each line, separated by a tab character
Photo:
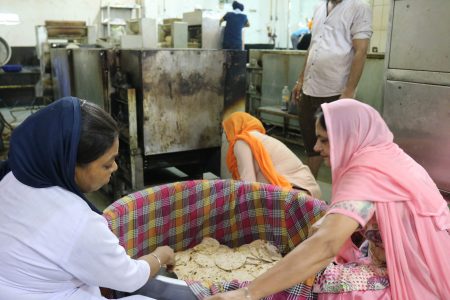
254	156
236	21
334	63
297	35
54	243
378	190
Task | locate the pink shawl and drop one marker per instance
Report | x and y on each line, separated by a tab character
413	217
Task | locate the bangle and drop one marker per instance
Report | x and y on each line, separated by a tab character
157	258
247	294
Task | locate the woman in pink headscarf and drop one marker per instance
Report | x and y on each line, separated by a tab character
381	192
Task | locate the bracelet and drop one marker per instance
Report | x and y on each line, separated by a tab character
157	258
247	293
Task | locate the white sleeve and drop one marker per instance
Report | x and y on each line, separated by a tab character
97	258
362	23
244	159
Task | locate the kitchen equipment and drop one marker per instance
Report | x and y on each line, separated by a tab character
5	52
169	104
417	84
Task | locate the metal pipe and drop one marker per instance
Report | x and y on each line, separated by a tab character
276	15
271	12
288	27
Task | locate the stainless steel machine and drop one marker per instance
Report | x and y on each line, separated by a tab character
417	84
204	30
169	103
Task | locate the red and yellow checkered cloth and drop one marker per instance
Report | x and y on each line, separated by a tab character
233	212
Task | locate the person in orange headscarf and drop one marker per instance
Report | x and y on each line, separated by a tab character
254	156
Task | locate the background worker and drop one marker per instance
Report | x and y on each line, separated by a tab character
256	157
334	63
300	34
236	21
297	35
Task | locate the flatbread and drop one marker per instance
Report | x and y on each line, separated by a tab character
247	251
230	261
183	257
224	249
208	245
273	252
241	275
209	262
203	260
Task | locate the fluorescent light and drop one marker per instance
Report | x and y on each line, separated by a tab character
9	19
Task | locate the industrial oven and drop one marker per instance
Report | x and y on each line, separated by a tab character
417	84
169	104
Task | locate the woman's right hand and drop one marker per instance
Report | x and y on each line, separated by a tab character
163	255
167	256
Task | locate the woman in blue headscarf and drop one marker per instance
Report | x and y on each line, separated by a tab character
54	243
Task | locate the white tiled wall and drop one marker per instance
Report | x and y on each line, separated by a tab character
380	12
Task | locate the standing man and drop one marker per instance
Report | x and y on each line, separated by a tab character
236	20
334	63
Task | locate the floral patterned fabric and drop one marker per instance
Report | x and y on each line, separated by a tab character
340	278
369	272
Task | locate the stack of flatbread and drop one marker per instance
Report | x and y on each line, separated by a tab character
211	262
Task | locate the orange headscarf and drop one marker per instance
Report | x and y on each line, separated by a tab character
237	127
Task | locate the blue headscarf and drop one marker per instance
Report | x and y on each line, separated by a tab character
43	149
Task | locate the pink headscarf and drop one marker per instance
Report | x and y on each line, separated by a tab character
413	217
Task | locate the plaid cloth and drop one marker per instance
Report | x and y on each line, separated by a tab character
233	212
297	292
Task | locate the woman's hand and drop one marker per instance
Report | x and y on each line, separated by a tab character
166	255
162	255
239	294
